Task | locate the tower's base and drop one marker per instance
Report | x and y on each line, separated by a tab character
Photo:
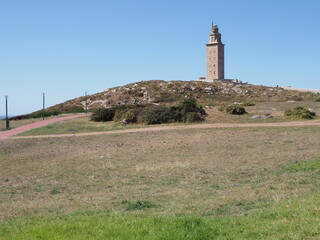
204	79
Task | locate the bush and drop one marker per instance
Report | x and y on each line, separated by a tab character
103	115
192	117
156	115
317	99
187	111
235	109
130	116
129	113
300	112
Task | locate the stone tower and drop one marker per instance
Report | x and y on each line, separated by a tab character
215	55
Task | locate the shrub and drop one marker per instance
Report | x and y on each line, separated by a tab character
129	113
317	99
300	112
130	116
192	117
190	109
235	109
156	115
187	111
103	114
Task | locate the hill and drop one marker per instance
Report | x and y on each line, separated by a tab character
170	92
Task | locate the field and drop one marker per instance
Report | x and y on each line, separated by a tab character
232	183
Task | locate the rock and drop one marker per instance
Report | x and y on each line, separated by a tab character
124	121
259	117
291	101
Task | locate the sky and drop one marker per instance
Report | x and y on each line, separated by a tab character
65	47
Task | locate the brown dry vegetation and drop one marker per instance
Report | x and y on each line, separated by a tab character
172	92
202	171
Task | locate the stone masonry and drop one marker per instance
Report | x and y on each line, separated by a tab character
215	55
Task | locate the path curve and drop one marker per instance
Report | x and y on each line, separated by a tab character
24	128
183	127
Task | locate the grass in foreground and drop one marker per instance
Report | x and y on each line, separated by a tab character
182	184
211	172
290	219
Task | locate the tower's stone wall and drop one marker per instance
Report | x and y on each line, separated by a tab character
215	56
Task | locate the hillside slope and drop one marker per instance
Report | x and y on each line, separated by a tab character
170	92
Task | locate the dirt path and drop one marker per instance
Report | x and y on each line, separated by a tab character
24	128
182	127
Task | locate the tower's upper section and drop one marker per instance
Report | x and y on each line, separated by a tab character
215	36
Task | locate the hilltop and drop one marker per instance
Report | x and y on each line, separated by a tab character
171	92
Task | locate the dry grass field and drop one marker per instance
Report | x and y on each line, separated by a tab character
193	171
188	183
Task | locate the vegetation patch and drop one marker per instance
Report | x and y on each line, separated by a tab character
103	114
138	205
187	111
235	109
290	219
247	104
305	166
317	99
300	112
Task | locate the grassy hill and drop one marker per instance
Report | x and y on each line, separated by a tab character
171	92
161	92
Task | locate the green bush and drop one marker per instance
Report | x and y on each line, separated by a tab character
300	112
103	114
189	111
317	99
192	117
130	116
186	111
235	109
129	113
156	115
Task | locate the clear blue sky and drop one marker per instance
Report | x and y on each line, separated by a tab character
65	47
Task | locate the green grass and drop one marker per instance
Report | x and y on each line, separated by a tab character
305	166
291	219
80	125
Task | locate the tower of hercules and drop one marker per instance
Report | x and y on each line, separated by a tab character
215	55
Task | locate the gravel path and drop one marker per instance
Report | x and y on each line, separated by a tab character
181	127
24	128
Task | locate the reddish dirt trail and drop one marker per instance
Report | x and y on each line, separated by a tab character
182	127
24	128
